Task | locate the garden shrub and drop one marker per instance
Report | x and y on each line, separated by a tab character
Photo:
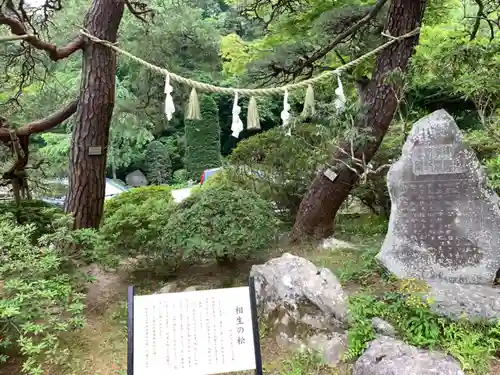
486	144
221	222
134	225
157	164
203	140
137	196
278	167
44	273
38	213
179	177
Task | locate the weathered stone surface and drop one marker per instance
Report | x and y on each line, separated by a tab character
387	356
444	220
475	302
383	328
167	288
301	304
330	347
294	283
136	178
332	243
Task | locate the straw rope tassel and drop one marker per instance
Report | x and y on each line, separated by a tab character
193	109
253	121
340	100
169	102
237	124
309	108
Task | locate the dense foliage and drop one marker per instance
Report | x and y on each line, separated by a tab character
203	140
157	164
41	288
280	168
217	222
38	214
136	197
220	222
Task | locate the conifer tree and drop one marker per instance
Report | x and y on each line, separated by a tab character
203	140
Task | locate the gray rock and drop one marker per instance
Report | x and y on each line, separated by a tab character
167	288
383	328
473	302
334	244
387	356
136	178
330	347
302	305
293	282
444	219
192	288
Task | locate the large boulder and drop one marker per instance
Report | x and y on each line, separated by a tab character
388	356
444	219
136	179
303	306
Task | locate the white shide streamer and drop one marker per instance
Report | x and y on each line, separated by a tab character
169	101
237	124
340	100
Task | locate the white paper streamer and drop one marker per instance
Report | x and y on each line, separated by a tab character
285	113
237	124
340	100
169	101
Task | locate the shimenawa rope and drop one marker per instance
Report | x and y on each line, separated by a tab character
250	92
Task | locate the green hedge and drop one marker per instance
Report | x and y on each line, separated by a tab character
203	140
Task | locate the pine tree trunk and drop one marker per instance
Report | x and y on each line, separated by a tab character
87	173
318	208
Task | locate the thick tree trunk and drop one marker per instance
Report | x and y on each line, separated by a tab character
318	208
87	171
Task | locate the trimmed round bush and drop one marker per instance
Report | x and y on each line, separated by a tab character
136	228
137	196
220	222
134	220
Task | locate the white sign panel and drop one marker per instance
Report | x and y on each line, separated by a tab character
190	333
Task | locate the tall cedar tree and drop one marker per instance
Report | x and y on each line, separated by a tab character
320	205
203	140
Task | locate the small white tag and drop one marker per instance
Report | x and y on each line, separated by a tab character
331	175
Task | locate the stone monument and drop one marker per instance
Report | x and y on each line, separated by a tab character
444	221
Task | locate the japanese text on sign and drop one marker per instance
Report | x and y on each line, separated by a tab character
202	332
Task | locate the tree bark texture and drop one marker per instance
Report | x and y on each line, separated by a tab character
318	208
87	173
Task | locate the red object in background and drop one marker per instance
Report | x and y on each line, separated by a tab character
202	178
